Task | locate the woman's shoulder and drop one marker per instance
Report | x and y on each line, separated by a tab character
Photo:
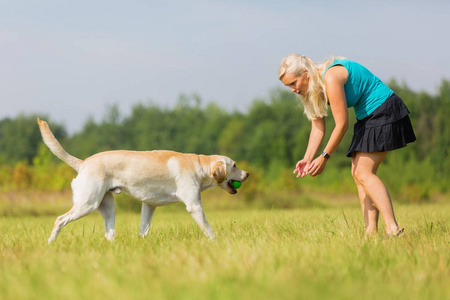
347	63
335	73
336	67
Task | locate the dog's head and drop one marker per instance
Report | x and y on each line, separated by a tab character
224	171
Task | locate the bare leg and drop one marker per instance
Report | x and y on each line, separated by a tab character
108	209
370	212
372	189
146	218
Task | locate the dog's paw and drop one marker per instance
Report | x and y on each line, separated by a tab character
110	235
143	234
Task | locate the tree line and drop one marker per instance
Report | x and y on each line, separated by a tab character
271	136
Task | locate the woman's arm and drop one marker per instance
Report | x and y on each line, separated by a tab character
334	80
315	139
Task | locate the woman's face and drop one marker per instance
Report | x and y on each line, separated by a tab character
297	83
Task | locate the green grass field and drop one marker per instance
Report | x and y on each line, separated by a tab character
306	253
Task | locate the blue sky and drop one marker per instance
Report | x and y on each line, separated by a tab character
71	59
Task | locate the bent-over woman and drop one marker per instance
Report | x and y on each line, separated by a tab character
382	125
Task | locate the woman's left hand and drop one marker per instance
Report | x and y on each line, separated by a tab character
317	166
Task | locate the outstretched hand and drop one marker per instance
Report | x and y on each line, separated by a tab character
302	168
317	166
313	168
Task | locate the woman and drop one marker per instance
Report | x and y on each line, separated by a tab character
382	125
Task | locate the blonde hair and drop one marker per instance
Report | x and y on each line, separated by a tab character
315	101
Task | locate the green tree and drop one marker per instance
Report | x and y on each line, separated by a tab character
20	138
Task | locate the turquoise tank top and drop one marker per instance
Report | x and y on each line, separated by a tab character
363	90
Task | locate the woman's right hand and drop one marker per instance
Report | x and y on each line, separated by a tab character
302	168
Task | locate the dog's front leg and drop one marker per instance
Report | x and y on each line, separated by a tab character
197	213
146	218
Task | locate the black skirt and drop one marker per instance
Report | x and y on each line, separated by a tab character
387	128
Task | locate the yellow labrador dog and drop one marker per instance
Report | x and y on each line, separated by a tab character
155	177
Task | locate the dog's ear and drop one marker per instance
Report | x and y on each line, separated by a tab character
220	171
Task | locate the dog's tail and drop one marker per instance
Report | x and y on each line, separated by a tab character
54	146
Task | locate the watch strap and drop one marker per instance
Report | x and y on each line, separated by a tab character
326	155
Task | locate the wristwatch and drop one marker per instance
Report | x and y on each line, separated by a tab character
326	155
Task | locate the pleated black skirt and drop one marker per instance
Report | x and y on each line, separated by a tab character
387	128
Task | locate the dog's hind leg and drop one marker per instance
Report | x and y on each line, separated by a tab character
60	222
87	196
77	211
146	218
108	209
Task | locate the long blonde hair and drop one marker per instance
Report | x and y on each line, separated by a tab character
315	101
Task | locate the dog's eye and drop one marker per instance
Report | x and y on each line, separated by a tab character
234	165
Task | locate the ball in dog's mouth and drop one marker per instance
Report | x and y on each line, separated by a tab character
235	184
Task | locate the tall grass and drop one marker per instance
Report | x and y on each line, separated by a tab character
310	253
